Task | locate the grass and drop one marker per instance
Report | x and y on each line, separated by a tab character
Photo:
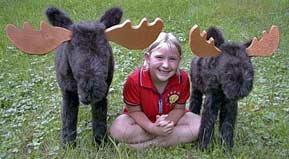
30	99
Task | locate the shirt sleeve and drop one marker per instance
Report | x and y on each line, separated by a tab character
185	88
131	92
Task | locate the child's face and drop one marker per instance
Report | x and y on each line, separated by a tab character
163	62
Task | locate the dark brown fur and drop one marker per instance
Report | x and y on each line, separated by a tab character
223	80
84	70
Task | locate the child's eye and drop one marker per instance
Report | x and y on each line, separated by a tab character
173	59
159	57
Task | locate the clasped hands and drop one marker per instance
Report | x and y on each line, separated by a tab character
162	126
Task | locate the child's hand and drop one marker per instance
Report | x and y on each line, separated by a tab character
161	120
163	127
162	130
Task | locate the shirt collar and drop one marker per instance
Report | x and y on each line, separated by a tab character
146	81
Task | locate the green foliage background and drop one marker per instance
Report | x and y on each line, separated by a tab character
30	100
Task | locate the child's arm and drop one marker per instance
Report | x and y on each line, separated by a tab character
175	114
143	121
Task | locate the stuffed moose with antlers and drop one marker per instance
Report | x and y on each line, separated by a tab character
224	74
84	61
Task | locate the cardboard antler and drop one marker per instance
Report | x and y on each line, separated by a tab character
267	45
37	42
135	37
49	37
200	46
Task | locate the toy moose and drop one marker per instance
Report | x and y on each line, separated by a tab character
224	74
84	60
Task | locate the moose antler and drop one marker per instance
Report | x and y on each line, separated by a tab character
267	45
37	42
200	46
49	37
135	37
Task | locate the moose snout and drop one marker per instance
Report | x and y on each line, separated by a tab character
92	91
91	97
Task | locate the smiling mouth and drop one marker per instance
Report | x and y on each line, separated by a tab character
162	72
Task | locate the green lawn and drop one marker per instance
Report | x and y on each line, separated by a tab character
30	100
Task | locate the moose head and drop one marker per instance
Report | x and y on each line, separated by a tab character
204	46
43	41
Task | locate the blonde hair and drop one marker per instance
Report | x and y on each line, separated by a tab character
167	38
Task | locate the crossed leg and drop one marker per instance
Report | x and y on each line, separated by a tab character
125	129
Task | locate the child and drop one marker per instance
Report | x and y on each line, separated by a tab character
155	97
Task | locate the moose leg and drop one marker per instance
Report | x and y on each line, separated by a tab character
209	115
99	124
196	101
228	117
69	117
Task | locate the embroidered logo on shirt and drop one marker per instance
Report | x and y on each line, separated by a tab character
173	97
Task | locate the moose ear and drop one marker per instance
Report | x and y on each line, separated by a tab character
248	43
217	35
111	17
57	17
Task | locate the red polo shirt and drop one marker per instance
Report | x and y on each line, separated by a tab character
139	90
